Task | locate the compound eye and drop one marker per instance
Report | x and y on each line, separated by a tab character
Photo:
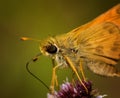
51	49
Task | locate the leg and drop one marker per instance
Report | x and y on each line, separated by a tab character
54	79
54	63
75	71
81	70
73	74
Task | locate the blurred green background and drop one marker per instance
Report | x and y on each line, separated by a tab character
41	19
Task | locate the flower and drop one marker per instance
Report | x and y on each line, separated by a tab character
76	90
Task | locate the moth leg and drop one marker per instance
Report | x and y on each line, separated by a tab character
54	79
82	71
54	63
73	74
75	71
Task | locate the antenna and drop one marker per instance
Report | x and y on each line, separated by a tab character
27	68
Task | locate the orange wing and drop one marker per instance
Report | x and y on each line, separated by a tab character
99	42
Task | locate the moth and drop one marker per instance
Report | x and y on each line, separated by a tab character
95	45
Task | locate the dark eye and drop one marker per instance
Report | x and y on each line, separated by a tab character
51	49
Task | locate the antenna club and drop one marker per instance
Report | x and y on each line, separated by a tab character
27	38
24	38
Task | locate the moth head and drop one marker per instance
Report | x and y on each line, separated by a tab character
49	47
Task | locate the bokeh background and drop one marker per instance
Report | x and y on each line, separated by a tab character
40	19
